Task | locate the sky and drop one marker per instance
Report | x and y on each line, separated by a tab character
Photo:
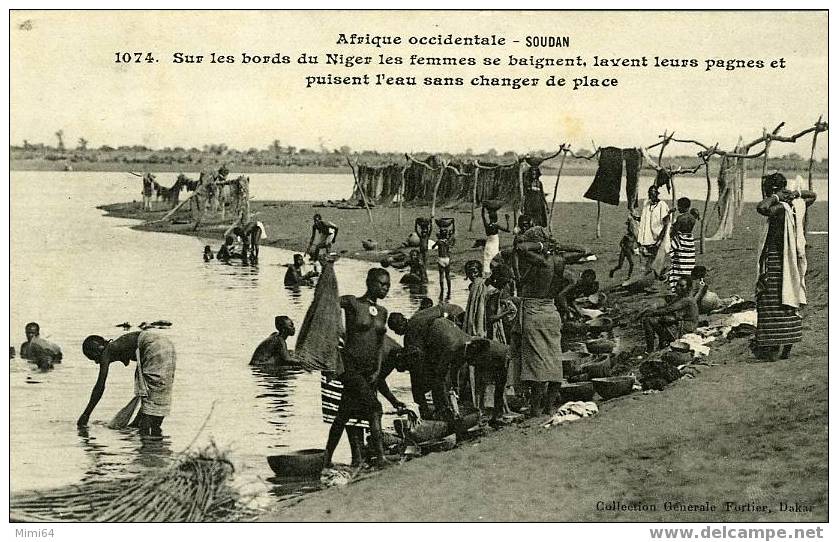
63	76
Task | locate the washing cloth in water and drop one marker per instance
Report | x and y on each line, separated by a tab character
606	184
155	374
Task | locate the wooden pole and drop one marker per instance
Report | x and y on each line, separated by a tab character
812	154
520	191
706	203
360	189
473	197
765	156
811	162
598	220
555	191
436	187
174	209
401	194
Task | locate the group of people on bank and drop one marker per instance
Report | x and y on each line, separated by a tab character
508	334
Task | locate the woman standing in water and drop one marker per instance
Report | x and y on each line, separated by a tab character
781	288
153	379
366	324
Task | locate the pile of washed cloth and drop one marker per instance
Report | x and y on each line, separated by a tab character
572	411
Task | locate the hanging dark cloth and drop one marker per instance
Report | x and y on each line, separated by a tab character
633	160
664	178
606	185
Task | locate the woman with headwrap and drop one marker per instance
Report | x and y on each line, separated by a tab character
781	286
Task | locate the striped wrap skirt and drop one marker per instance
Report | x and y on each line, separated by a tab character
683	257
331	391
777	324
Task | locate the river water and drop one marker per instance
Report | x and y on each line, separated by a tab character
77	273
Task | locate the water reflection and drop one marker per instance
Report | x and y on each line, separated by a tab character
219	313
277	384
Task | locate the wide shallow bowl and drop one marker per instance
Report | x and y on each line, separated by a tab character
600	346
613	386
574	329
300	463
601	323
572	362
581	391
680	346
597	369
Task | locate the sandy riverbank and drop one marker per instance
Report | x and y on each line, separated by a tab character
740	432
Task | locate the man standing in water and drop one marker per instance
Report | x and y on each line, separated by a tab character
323	236
366	325
153	379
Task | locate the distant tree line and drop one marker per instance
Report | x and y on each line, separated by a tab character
278	155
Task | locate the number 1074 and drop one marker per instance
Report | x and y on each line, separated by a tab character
127	58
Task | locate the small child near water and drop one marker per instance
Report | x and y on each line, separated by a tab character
443	247
208	255
628	244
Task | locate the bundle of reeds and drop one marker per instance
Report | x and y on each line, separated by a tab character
194	488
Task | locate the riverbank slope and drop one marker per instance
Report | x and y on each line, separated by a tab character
745	433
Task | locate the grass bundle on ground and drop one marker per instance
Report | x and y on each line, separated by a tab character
194	488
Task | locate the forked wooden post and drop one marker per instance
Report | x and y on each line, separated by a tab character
436	187
812	154
765	156
556	188
811	162
520	207
473	197
360	189
401	193
706	201
598	220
